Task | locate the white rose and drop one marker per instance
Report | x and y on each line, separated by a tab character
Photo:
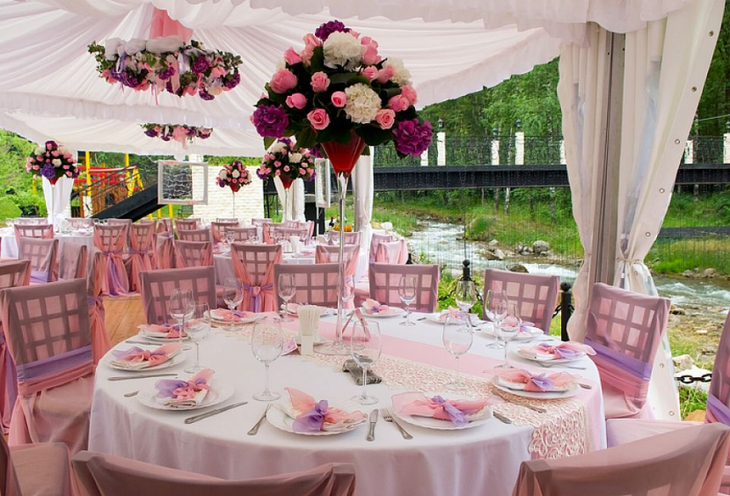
362	103
56	162
277	147
281	64
342	49
295	158
133	46
166	44
235	174
401	75
111	48
223	174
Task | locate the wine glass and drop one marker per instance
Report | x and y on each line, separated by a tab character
465	297
267	342
286	289
365	349
407	293
508	329
232	293
492	308
181	308
197	328
457	339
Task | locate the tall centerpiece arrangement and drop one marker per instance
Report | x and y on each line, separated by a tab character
234	175
339	94
181	133
287	162
52	161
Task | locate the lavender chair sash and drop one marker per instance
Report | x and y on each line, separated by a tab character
717	411
54	371
256	294
637	368
114	273
40	276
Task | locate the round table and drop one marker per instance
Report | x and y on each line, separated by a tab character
10	245
482	460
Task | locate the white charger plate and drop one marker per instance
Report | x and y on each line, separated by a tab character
392	312
523	353
243	320
284	422
532	333
442	425
572	390
144	335
175	360
218	393
436	318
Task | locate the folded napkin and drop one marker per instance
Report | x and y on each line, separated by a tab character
177	393
289	347
535	383
230	316
351	367
458	412
137	358
455	314
165	331
563	351
373	307
313	416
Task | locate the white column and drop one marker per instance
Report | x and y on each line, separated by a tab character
519	148
495	152
689	151
424	159
726	149
562	152
441	148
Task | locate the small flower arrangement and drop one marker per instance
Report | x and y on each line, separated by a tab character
234	175
167	64
177	132
287	162
339	85
53	162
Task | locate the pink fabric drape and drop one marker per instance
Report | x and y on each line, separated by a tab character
331	254
43	257
163	26
157	287
165	250
385	280
141	252
97	317
394	252
254	267
194	253
164	225
375	241
73	261
316	284
42	231
111	240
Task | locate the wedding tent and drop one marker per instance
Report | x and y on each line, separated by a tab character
631	76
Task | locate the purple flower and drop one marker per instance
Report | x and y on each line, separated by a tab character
312	420
233	81
412	138
151	132
167	73
200	65
309	179
316	152
270	121
325	30
48	171
51	145
286	141
205	95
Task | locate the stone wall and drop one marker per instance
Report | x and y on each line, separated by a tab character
249	200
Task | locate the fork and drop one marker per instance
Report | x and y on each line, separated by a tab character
561	365
255	429
389	418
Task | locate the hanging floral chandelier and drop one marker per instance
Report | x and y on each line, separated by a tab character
181	133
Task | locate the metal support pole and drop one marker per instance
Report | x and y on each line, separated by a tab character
566	309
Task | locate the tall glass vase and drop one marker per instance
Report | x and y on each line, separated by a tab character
343	157
286	182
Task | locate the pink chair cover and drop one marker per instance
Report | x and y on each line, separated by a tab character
194	253
268	229
283	233
43	255
73	261
157	287
394	252
109	475
110	240
42	231
688	462
243	234
194	235
218	228
141	252
231	220
316	284
254	267
625	329
375	241
293	224
41	469
9	484
536	295
47	331
81	222
31	220
385	279
331	254
188	224
119	222
165	254
351	238
260	222
97	317
164	225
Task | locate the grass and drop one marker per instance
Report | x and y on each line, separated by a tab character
690	400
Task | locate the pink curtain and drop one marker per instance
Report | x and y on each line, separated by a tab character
393	252
141	252
43	255
97	317
111	240
254	267
163	26
385	280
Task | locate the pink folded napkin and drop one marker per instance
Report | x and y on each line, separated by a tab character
458	412
138	358
179	393
563	351
289	347
537	383
452	313
230	316
373	307
313	416
165	331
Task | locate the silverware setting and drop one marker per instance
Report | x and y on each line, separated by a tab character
133	393
148	343
255	429
196	418
585	386
501	418
560	365
138	376
373	419
389	418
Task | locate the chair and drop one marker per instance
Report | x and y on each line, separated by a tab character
392	252
188	224
536	295
80	223
375	240
97	317
13	274
316	284
228	220
119	222
267	231
40	231
331	254
625	329
164	225
194	235
35	469
157	287
111	240
282	233
351	238
47	331
72	261
141	252
688	462
194	253
43	255
244	234
384	281
165	252
30	220
254	267
218	229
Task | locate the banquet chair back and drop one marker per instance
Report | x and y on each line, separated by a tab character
188	224
43	256
393	252
30	220
194	235
38	231
97	317
165	252
229	220
316	284
325	254
351	238
73	261
385	279
141	252
244	234
293	224
157	287
194	253
536	295
111	240
718	399
47	331
625	329
254	267
375	240
218	229
283	233
80	223
260	222
686	462
164	225
267	231
109	475
119	222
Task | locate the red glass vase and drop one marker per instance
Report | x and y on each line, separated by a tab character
286	181
344	156
235	187
53	180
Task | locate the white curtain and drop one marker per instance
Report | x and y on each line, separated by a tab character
362	187
294	209
58	199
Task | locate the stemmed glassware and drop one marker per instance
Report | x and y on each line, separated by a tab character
494	312
465	297
267	342
197	328
232	293
407	293
365	349
508	329
457	340
286	289
181	308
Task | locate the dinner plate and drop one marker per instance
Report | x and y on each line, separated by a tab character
392	312
572	390
523	353
437	318
242	320
144	335
218	393
179	358
282	421
530	333
441	425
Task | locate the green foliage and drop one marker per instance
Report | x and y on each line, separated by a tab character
31	205
221	161
8	209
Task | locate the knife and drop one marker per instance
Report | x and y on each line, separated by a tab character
195	418
138	376
373	420
501	417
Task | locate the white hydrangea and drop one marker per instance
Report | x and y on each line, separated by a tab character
342	49
111	48
401	75
133	46
39	151
277	147
56	162
235	174
362	103
164	44
223	174
295	158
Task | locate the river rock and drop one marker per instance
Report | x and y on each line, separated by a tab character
493	243
688	273
683	362
675	310
517	268
709	273
495	254
540	246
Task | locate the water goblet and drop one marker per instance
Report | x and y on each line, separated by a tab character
465	297
365	349
407	293
197	328
181	308
492	301
457	339
232	293
286	289
508	329
267	342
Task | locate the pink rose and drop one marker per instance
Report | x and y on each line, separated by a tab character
68	173
277	164
55	153
385	118
38	158
354	33
370	51
282	81
278	172
398	103
319	119
302	172
36	167
287	168
385	73
408	92
217	72
311	40
339	99
291	56
48	146
297	100
310	43
320	82
66	166
370	72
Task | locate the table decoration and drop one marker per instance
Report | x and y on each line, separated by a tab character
289	162
365	349
508	328
495	308
181	133
537	386
52	161
457	339
232	292
197	328
221	315
336	96
309	316
453	316
234	175
407	291
302	414
199	391
137	358
527	331
437	412
560	353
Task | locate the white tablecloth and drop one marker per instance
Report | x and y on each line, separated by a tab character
10	245
480	461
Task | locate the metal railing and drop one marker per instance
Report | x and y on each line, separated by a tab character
113	188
